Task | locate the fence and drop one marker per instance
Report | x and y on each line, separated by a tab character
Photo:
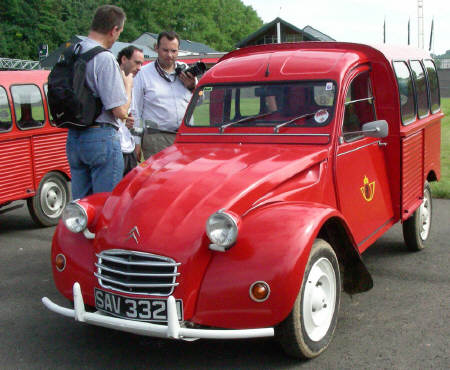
444	82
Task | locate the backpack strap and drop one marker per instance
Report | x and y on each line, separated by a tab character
92	53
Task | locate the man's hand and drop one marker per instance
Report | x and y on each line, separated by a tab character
129	121
127	80
138	152
188	80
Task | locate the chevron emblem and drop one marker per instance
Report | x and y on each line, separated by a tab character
134	233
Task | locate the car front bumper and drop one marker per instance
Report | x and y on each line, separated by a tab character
172	330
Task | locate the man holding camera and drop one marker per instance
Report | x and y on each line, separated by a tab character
161	94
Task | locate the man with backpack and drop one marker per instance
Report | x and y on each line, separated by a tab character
93	149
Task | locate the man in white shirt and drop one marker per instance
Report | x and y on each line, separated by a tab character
130	61
161	96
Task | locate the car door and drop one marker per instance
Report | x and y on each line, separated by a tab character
361	175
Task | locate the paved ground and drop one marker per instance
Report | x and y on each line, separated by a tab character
402	323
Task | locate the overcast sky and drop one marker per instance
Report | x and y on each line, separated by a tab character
362	20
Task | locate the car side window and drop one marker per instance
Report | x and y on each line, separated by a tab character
359	107
433	83
28	106
5	111
406	91
421	88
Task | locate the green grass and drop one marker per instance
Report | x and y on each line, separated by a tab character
441	189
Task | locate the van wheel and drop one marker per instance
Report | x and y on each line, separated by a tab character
309	328
416	229
52	196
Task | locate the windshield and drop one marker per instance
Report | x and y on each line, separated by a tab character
308	104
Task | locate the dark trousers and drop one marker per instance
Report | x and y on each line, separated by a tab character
129	162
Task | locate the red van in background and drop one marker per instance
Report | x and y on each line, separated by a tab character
33	163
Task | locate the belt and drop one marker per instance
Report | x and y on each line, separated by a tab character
150	130
104	124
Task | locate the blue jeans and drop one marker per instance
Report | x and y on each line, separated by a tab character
95	159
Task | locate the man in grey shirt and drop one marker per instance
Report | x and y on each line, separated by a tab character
94	153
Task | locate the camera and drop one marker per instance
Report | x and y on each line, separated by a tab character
195	69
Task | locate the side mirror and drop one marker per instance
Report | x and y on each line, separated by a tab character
378	129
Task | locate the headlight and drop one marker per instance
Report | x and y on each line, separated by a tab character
75	217
222	230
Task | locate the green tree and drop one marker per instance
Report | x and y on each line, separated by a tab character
25	24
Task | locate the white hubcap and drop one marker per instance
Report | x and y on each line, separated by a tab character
52	199
319	299
424	214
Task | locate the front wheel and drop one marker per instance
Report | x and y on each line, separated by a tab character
309	328
52	196
416	229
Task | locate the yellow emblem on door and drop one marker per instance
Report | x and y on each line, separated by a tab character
368	189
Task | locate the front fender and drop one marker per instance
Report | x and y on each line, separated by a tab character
273	245
80	260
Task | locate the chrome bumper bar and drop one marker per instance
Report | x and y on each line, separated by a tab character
172	330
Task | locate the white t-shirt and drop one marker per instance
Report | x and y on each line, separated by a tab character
126	139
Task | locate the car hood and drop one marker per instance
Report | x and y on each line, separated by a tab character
169	197
178	189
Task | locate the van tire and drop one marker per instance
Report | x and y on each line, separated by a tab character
416	229
309	328
50	200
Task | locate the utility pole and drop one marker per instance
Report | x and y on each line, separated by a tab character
420	37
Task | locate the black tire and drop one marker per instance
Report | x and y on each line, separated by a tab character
416	229
52	196
309	328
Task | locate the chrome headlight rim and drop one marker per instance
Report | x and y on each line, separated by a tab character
230	240
82	217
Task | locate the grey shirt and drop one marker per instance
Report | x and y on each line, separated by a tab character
104	78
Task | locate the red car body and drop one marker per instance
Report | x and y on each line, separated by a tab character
286	186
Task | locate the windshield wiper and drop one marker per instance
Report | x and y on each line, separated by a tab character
276	129
250	118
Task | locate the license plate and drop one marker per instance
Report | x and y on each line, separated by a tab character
134	308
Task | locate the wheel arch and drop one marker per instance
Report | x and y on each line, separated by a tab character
356	277
431	176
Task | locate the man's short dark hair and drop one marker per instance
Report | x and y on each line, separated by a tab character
170	35
107	17
127	52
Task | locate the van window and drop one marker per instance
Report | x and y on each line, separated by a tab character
359	107
5	111
406	91
28	106
421	88
434	85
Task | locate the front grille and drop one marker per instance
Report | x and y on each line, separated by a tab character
136	272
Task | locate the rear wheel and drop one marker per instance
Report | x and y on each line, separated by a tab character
416	229
309	328
52	196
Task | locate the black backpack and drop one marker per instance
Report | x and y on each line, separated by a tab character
72	103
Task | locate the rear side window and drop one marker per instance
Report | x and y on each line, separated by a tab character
359	107
421	88
406	91
28	106
5	111
434	85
